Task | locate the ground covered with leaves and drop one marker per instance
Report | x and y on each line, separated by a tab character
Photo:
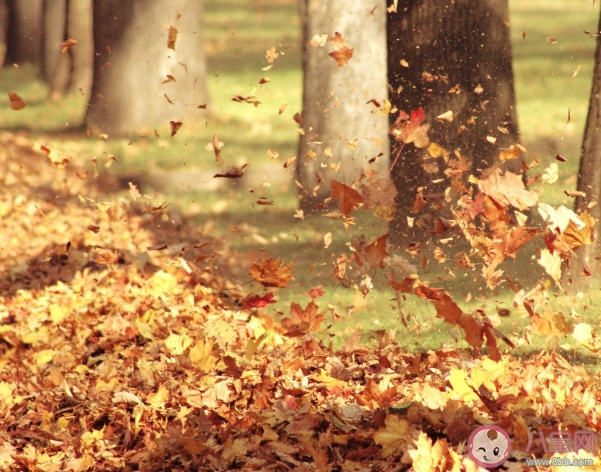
120	351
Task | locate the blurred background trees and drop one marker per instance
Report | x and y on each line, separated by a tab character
451	57
345	133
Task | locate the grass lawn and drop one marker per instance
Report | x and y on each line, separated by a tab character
237	34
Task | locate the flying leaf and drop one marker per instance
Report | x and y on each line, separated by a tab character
175	126
16	102
372	252
271	273
508	190
303	321
341	54
256	301
55	156
271	55
67	44
378	193
172	36
349	198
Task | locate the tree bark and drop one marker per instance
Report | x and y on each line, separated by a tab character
589	182
80	28
440	55
335	99
3	29
56	67
132	60
24	35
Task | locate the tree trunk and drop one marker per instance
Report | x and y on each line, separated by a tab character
3	29
80	28
449	56
589	182
56	67
132	60
336	111
24	35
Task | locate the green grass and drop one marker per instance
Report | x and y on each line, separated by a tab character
237	34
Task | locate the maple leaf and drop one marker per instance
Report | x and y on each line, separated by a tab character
440	457
395	436
256	301
410	130
380	192
348	196
508	190
201	355
303	321
372	251
106	257
341	54
16	102
271	273
55	156
316	292
271	55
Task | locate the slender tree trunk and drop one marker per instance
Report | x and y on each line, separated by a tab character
132	60
56	66
337	119
80	27
24	36
449	56
589	182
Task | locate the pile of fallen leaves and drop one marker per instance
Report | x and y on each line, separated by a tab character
119	354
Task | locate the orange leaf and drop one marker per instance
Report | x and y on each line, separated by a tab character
303	321
348	196
271	273
16	102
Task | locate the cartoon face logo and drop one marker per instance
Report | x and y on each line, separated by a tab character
489	446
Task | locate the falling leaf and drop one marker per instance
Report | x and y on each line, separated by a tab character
234	173
134	193
271	273
170	78
380	192
172	37
175	126
272	154
16	102
349	198
446	116
327	240
56	157
508	190
551	263
264	80
404	63
551	40
283	108
271	55
66	45
318	40
372	252
316	292
576	72
303	321
256	301
341	54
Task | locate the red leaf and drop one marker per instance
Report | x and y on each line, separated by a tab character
256	301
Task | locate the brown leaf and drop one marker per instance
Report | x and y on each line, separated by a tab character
106	257
16	102
175	126
508	190
271	273
235	173
378	193
341	54
303	321
172	37
348	196
372	251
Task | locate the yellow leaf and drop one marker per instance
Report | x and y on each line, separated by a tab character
201	355
176	344
58	313
253	345
43	357
395	436
552	264
156	400
460	387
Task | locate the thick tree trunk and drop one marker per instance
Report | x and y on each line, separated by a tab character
56	67
3	29
589	182
80	28
336	111
24	35
449	56
132	60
